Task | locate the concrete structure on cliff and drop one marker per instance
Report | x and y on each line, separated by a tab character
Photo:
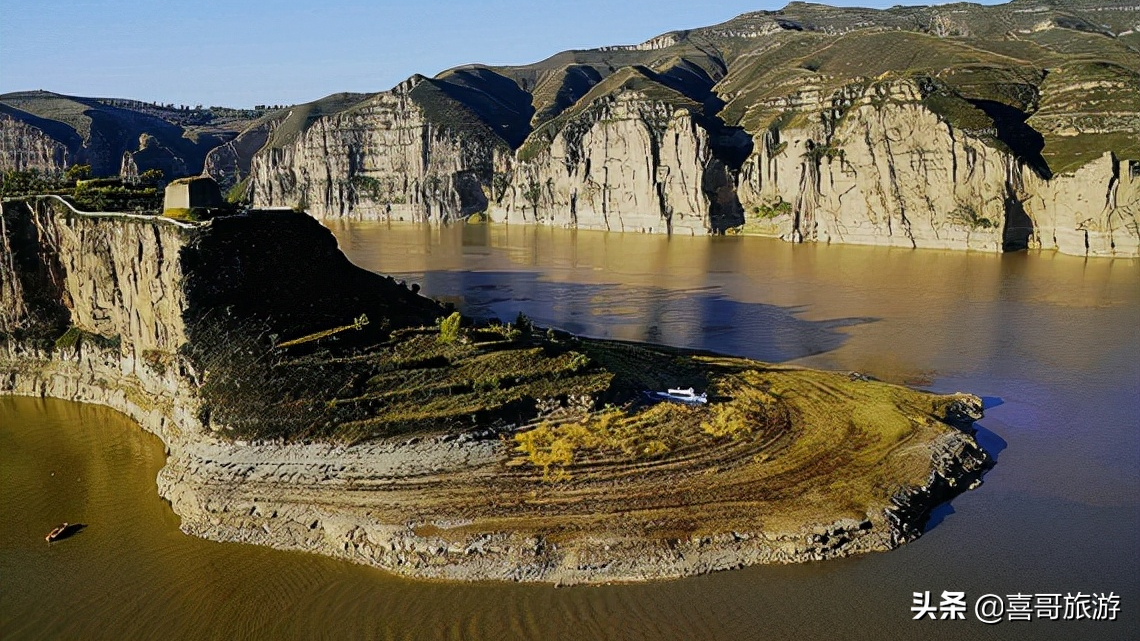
194	192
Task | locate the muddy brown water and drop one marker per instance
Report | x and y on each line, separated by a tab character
1052	341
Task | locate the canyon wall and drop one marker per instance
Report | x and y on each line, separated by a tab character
382	159
24	146
897	162
627	164
878	165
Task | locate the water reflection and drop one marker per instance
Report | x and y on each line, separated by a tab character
695	318
1054	337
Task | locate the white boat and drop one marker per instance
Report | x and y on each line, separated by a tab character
681	396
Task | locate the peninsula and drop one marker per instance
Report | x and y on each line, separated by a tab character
309	404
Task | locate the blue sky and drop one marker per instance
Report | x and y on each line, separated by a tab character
238	53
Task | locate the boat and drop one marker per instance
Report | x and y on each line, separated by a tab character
677	395
56	533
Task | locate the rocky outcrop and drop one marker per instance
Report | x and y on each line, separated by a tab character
383	159
232	162
121	280
903	161
24	146
964	142
49	132
885	163
628	163
1095	211
876	165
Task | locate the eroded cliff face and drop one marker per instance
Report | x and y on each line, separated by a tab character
629	163
23	147
147	295
879	164
112	278
1092	212
874	165
382	159
902	161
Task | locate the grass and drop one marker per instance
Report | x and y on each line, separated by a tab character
74	337
781	444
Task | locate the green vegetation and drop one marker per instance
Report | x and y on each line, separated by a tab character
238	194
368	187
96	195
556	446
16	183
74	337
182	213
359	323
967	215
75	173
770	210
449	328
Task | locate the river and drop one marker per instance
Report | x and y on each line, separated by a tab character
1051	342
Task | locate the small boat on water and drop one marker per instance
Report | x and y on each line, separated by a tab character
56	533
680	396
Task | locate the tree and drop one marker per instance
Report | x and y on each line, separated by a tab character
75	173
449	328
152	177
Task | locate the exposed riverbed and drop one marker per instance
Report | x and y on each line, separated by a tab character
1053	339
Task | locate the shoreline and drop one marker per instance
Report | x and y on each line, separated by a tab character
301	497
215	340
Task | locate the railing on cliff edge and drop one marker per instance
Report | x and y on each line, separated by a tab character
118	214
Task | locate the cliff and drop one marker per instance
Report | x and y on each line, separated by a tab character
989	128
984	128
913	163
308	404
49	132
384	157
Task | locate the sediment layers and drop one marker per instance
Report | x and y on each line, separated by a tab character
183	328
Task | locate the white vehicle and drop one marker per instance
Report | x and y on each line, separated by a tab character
680	396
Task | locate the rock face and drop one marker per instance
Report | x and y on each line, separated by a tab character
110	280
1092	212
383	158
968	141
48	132
629	163
878	168
878	165
23	146
986	128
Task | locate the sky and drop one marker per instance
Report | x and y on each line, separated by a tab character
240	53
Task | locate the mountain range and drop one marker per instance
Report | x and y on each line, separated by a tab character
957	126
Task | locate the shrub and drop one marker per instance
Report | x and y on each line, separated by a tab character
152	177
727	420
968	216
69	339
771	210
449	328
75	173
524	324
